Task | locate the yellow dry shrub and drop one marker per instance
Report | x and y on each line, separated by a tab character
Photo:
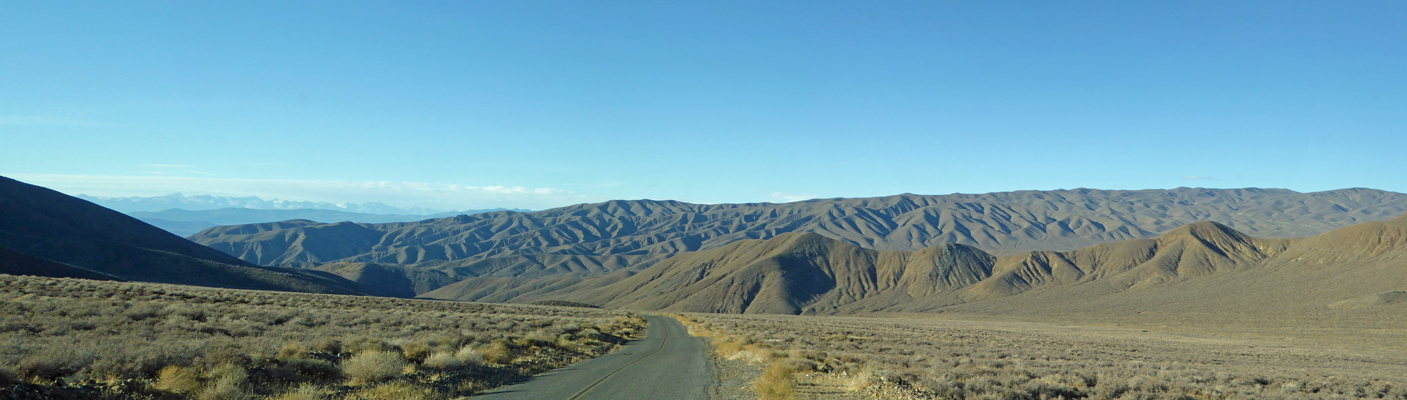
305	392
498	353
374	366
177	379
567	342
395	390
695	328
740	349
726	348
291	350
469	356
864	379
444	360
415	351
778	382
227	382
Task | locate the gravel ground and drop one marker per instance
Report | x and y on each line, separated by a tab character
838	387
734	377
735	383
826	386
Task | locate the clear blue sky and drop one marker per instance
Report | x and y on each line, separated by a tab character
458	105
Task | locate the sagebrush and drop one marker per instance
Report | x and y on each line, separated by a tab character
90	339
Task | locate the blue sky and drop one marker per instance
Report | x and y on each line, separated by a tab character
462	105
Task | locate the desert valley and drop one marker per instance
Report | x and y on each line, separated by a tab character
1185	293
708	200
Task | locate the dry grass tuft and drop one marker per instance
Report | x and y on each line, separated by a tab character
73	338
374	366
778	382
177	379
499	352
953	359
416	352
291	351
469	356
443	360
227	382
396	390
305	392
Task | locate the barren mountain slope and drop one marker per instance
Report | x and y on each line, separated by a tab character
1360	268
50	226
388	280
794	274
1194	250
790	274
1201	267
613	235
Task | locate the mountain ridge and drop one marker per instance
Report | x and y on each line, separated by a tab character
210	202
591	239
185	223
805	273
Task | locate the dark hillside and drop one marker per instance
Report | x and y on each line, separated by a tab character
48	225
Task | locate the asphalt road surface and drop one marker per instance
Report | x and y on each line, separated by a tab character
666	364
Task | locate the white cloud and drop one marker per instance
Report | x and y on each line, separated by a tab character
1198	178
779	197
168	167
399	194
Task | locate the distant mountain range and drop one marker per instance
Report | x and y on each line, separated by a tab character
189	222
47	233
1050	253
207	202
186	215
514	256
633	232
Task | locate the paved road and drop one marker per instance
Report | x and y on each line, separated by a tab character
666	364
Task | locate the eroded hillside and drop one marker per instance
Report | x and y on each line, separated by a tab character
1201	267
592	240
